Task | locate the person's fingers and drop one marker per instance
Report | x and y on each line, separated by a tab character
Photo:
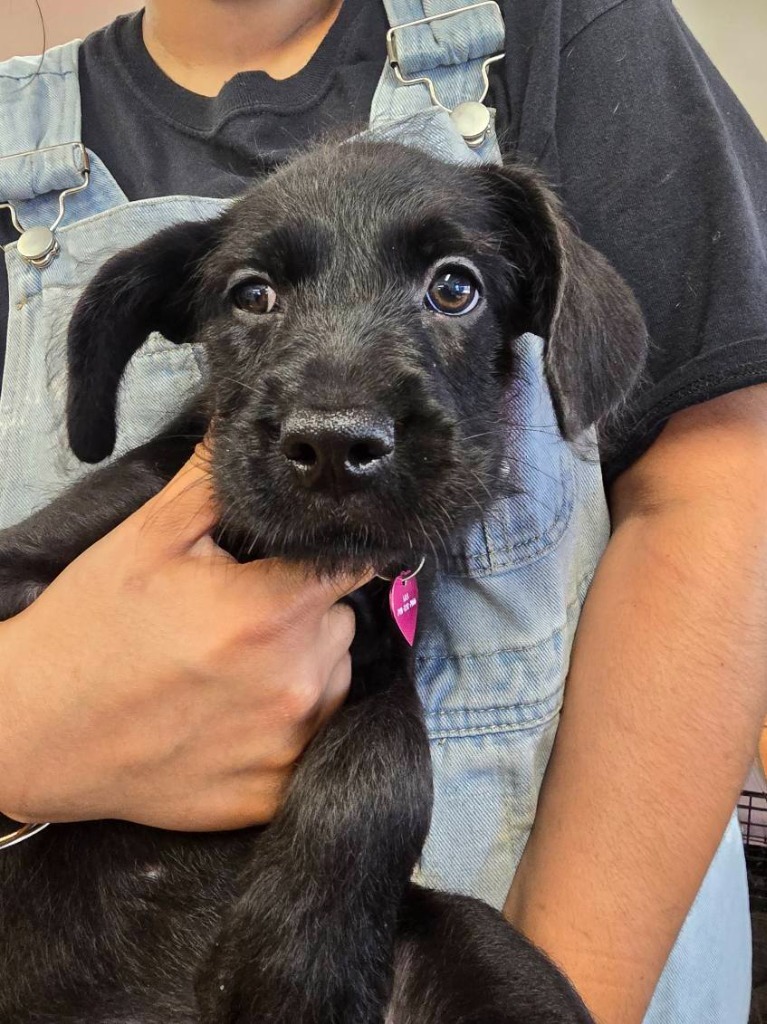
339	628
340	623
180	518
184	510
333	695
337	587
337	687
253	799
296	583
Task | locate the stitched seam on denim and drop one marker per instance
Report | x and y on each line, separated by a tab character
162	348
440	728
560	521
499	707
532	541
143	203
555	533
492	730
199	360
474	718
422	658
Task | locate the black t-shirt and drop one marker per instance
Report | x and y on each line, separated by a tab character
659	166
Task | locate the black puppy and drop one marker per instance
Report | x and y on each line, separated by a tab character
358	311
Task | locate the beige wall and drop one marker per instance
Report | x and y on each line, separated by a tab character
21	31
734	32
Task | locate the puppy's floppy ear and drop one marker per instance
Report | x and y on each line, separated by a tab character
572	297
150	287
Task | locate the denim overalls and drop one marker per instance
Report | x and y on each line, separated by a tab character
492	666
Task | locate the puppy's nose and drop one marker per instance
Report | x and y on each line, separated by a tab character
338	450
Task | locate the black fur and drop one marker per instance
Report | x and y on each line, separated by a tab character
314	919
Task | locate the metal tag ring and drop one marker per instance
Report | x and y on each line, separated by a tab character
405	579
21	833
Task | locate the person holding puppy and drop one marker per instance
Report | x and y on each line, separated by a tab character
642	904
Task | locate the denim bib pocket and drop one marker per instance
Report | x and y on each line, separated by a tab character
538	479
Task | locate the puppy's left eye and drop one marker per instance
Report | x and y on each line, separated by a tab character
453	292
255	296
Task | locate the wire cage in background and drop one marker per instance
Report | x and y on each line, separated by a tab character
752	812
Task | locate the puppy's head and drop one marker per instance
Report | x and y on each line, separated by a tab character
359	310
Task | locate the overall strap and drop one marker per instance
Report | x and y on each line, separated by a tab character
41	153
42	156
439	54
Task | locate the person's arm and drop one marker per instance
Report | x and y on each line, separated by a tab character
665	699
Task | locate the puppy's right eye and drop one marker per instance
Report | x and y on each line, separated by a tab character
453	292
255	296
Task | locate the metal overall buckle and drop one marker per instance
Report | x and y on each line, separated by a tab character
471	118
38	245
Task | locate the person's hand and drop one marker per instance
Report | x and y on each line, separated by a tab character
159	681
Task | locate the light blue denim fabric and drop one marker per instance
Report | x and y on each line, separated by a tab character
41	111
493	656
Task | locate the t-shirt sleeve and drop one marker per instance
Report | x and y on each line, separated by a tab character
663	171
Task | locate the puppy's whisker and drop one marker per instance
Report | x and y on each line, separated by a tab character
534	428
242	384
536	468
428	538
252	544
482	484
474	437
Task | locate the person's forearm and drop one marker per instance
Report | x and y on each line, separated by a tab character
663	707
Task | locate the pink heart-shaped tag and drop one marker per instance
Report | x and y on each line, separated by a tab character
403	602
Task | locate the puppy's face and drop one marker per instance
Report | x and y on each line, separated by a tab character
358	310
357	336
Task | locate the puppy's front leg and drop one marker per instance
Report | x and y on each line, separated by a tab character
35	551
311	939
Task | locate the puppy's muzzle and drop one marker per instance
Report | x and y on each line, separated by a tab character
338	451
